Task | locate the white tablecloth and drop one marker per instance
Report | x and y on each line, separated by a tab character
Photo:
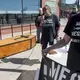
60	57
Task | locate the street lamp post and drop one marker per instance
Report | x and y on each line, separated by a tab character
22	9
78	5
22	18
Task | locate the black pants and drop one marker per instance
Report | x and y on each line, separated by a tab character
47	37
73	61
45	43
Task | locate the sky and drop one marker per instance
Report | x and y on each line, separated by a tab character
16	4
70	1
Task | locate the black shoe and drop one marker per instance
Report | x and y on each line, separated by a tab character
37	41
50	43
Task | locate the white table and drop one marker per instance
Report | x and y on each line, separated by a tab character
50	70
60	57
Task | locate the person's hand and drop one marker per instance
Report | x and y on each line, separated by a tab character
45	51
39	17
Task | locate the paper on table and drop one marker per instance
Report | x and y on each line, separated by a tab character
59	52
60	56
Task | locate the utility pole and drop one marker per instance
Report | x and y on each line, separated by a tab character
59	4
40	3
22	10
78	4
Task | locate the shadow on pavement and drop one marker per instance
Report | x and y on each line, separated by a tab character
12	70
24	61
27	75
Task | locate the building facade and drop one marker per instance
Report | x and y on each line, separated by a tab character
53	5
63	1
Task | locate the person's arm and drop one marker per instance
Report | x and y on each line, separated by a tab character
60	44
36	22
57	23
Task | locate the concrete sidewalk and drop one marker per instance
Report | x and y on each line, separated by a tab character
22	66
25	62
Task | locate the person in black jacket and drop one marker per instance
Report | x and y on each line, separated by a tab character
38	24
73	12
49	27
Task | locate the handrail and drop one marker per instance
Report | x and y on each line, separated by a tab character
0	33
12	30
17	27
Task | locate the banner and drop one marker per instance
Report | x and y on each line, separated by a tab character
51	70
